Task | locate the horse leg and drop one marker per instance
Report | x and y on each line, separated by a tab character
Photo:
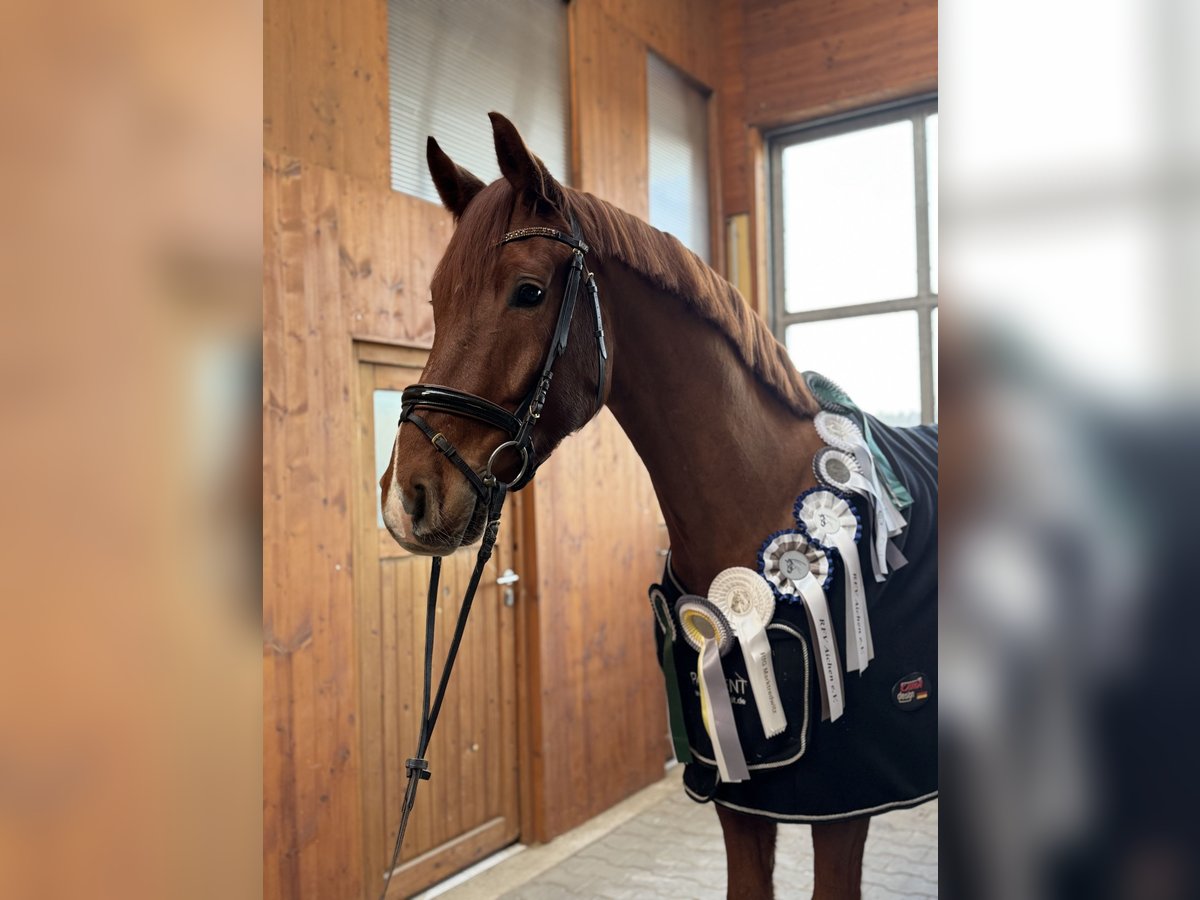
837	858
749	854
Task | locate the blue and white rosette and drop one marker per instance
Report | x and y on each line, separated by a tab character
705	628
749	604
800	570
827	517
841	469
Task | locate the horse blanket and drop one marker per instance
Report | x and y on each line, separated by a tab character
881	753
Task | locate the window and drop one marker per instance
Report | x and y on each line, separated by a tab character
678	152
451	62
386	411
854	255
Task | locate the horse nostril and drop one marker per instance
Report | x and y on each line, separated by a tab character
414	499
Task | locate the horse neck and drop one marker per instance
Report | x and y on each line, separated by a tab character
726	455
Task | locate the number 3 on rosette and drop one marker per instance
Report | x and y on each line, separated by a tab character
827	517
800	571
748	603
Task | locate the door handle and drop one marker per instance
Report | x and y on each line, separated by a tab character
507	579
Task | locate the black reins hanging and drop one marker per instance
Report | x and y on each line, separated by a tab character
489	488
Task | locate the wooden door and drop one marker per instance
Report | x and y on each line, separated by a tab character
469	807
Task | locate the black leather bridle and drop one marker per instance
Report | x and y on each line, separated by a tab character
517	425
490	489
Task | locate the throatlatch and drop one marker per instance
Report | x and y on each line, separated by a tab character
491	490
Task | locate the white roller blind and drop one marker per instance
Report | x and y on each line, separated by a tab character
451	62
678	156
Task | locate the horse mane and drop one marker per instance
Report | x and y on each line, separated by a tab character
669	265
657	256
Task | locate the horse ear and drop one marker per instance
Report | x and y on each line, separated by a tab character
525	172
455	185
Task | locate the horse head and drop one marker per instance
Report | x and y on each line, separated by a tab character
518	357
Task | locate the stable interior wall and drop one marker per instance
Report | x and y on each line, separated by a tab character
785	62
346	258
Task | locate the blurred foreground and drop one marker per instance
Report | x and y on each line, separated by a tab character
130	229
1071	259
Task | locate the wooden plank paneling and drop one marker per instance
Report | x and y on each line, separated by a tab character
599	734
805	59
339	261
787	62
790	61
325	84
611	152
310	759
731	108
680	31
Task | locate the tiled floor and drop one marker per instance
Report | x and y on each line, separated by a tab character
661	844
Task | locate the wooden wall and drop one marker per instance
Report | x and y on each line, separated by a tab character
341	258
346	258
784	62
599	734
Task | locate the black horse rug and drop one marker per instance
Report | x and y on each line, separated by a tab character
881	753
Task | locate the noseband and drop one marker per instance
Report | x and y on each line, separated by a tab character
491	490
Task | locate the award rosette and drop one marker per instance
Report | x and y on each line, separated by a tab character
679	738
800	570
840	469
843	433
706	630
833	399
749	603
829	394
827	517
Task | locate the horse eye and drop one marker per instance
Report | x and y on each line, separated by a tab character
528	295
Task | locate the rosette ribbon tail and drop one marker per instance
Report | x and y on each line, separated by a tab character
679	738
860	649
717	712
760	668
820	625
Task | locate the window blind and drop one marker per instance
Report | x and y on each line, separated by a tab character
451	62
678	135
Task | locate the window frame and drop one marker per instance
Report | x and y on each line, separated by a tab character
925	301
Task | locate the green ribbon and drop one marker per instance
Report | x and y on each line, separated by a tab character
679	737
831	397
662	616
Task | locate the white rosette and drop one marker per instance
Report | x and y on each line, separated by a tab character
840	469
705	628
843	433
828	518
800	570
749	603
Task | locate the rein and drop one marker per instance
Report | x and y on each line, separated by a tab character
490	489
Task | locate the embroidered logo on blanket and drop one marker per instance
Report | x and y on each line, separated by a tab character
911	692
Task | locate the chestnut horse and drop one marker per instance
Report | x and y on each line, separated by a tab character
697	381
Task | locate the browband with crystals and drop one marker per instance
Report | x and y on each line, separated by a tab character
707	631
540	231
